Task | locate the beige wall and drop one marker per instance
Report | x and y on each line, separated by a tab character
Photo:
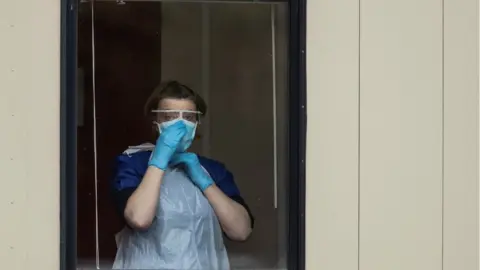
392	158
332	135
393	135
400	135
29	115
460	232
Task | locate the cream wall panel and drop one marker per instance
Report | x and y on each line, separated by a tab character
332	137
401	135
29	115
460	233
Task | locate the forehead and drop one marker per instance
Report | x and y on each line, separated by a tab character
176	104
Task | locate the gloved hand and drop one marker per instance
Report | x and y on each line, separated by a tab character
167	144
197	173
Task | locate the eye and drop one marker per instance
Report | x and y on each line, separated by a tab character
192	117
167	116
170	117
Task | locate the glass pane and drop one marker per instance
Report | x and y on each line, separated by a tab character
234	55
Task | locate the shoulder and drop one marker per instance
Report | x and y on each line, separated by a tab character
215	168
133	159
137	160
210	162
129	169
222	177
135	155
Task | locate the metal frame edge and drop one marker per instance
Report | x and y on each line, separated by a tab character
68	134
297	133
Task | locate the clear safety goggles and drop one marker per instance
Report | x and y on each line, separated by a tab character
168	115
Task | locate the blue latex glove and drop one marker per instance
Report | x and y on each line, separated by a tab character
167	144
194	169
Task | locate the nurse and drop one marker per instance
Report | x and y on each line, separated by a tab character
177	205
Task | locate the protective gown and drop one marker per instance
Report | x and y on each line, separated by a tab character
185	233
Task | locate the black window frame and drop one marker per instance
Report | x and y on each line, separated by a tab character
297	135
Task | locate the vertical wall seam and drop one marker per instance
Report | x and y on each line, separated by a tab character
359	133
478	132
443	133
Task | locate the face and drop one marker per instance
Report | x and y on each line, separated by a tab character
176	108
172	110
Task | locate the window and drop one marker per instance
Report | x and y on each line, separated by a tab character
247	60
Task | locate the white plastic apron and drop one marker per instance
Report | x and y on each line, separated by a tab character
184	235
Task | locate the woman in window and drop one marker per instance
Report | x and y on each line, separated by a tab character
177	205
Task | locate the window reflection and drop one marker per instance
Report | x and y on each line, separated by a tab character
225	52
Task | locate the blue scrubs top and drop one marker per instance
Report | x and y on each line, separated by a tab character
130	170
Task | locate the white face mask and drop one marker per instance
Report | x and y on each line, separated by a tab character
187	140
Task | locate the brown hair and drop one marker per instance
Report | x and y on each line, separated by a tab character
175	90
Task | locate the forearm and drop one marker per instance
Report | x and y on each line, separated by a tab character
233	217
142	204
